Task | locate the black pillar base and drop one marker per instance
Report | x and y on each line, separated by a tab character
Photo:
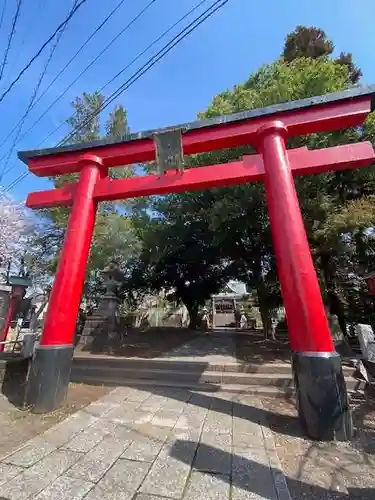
48	379
322	400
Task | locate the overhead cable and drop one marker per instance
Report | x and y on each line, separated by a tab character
97	29
27	66
146	67
10	37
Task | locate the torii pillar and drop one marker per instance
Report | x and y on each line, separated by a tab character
322	399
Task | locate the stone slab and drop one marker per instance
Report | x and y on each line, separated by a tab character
33	480
143	449
170	471
8	472
153	403
62	432
219	423
86	439
120	482
252	478
24	486
66	488
92	466
117	396
207	486
137	396
145	496
213	460
55	464
31	453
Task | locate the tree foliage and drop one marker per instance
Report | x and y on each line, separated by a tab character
313	43
227	229
192	243
15	228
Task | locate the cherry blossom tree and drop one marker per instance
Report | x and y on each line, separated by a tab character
15	229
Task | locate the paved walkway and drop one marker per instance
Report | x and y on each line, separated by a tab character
148	445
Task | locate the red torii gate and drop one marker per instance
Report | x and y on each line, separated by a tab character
321	391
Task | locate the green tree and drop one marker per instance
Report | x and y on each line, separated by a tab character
178	254
337	207
85	122
313	43
308	42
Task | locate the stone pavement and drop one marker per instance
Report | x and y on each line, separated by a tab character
148	445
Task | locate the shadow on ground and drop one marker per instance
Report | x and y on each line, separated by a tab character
251	476
285	423
14	377
140	343
250	346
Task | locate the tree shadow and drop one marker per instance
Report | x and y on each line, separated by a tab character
145	343
254	348
258	478
285	424
167	342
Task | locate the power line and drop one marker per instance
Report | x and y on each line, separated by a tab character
63	69
135	18
177	39
10	38
24	38
3	13
122	70
152	61
149	64
41	50
35	92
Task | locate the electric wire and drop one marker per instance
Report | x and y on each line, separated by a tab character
108	83
29	32
35	92
137	57
97	29
167	48
135	18
27	66
148	65
10	38
3	13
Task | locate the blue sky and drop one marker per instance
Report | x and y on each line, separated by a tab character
222	52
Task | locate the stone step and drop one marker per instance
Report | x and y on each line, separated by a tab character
201	387
121	375
196	367
265	390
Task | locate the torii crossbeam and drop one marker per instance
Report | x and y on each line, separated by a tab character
321	392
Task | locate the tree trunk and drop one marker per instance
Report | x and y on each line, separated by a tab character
265	312
335	304
262	295
193	317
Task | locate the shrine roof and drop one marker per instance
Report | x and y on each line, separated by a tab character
310	102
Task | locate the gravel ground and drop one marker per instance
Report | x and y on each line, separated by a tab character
325	470
18	426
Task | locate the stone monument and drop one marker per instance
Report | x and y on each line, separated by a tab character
366	339
102	327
